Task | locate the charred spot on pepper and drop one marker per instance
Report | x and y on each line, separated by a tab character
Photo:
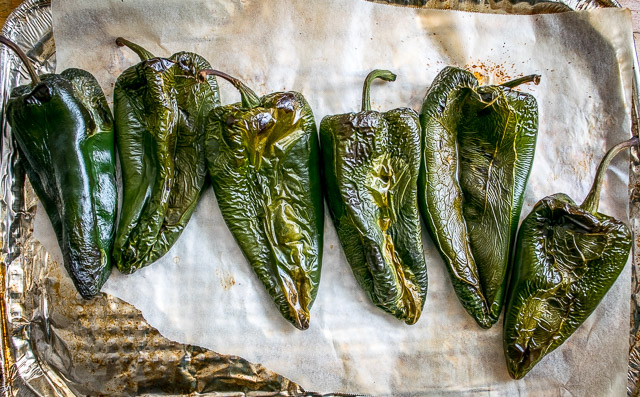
159	65
287	102
523	357
231	120
264	122
570	222
39	95
487	96
517	352
186	64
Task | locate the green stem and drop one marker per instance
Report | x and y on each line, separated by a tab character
249	98
376	74
532	78
142	53
590	204
23	57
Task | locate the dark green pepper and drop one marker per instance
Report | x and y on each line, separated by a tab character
478	150
64	130
371	165
566	259
263	159
160	107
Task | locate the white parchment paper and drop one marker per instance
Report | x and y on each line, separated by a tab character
203	291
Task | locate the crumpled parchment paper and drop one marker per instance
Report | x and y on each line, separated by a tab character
203	291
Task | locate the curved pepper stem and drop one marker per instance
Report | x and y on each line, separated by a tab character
592	201
249	98
532	78
141	52
23	57
376	74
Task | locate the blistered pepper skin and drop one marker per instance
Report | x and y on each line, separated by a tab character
478	148
263	159
567	257
64	129
160	108
371	164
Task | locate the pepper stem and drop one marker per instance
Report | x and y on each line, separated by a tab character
23	57
532	78
590	204
376	74
249	98
141	52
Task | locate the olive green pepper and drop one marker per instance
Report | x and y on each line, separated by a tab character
160	107
371	165
566	259
263	159
64	130
478	149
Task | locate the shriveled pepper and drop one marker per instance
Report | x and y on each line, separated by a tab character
159	107
263	159
478	149
371	165
567	257
64	130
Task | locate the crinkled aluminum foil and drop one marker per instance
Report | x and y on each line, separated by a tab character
506	6
55	343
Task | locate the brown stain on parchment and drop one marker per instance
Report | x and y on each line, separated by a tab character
585	164
489	72
226	279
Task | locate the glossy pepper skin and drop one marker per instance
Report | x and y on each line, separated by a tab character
371	164
567	257
263	159
64	130
478	148
160	108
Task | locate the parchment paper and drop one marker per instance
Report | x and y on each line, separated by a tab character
203	291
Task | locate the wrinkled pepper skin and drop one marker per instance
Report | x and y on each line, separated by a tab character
160	108
567	257
64	129
371	165
263	160
478	148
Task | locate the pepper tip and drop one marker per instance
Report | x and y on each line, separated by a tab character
302	321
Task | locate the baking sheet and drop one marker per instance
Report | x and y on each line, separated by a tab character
324	49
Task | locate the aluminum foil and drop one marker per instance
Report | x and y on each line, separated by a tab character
506	6
55	343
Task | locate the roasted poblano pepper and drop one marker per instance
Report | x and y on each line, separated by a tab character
159	108
64	129
371	165
263	159
566	259
478	149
